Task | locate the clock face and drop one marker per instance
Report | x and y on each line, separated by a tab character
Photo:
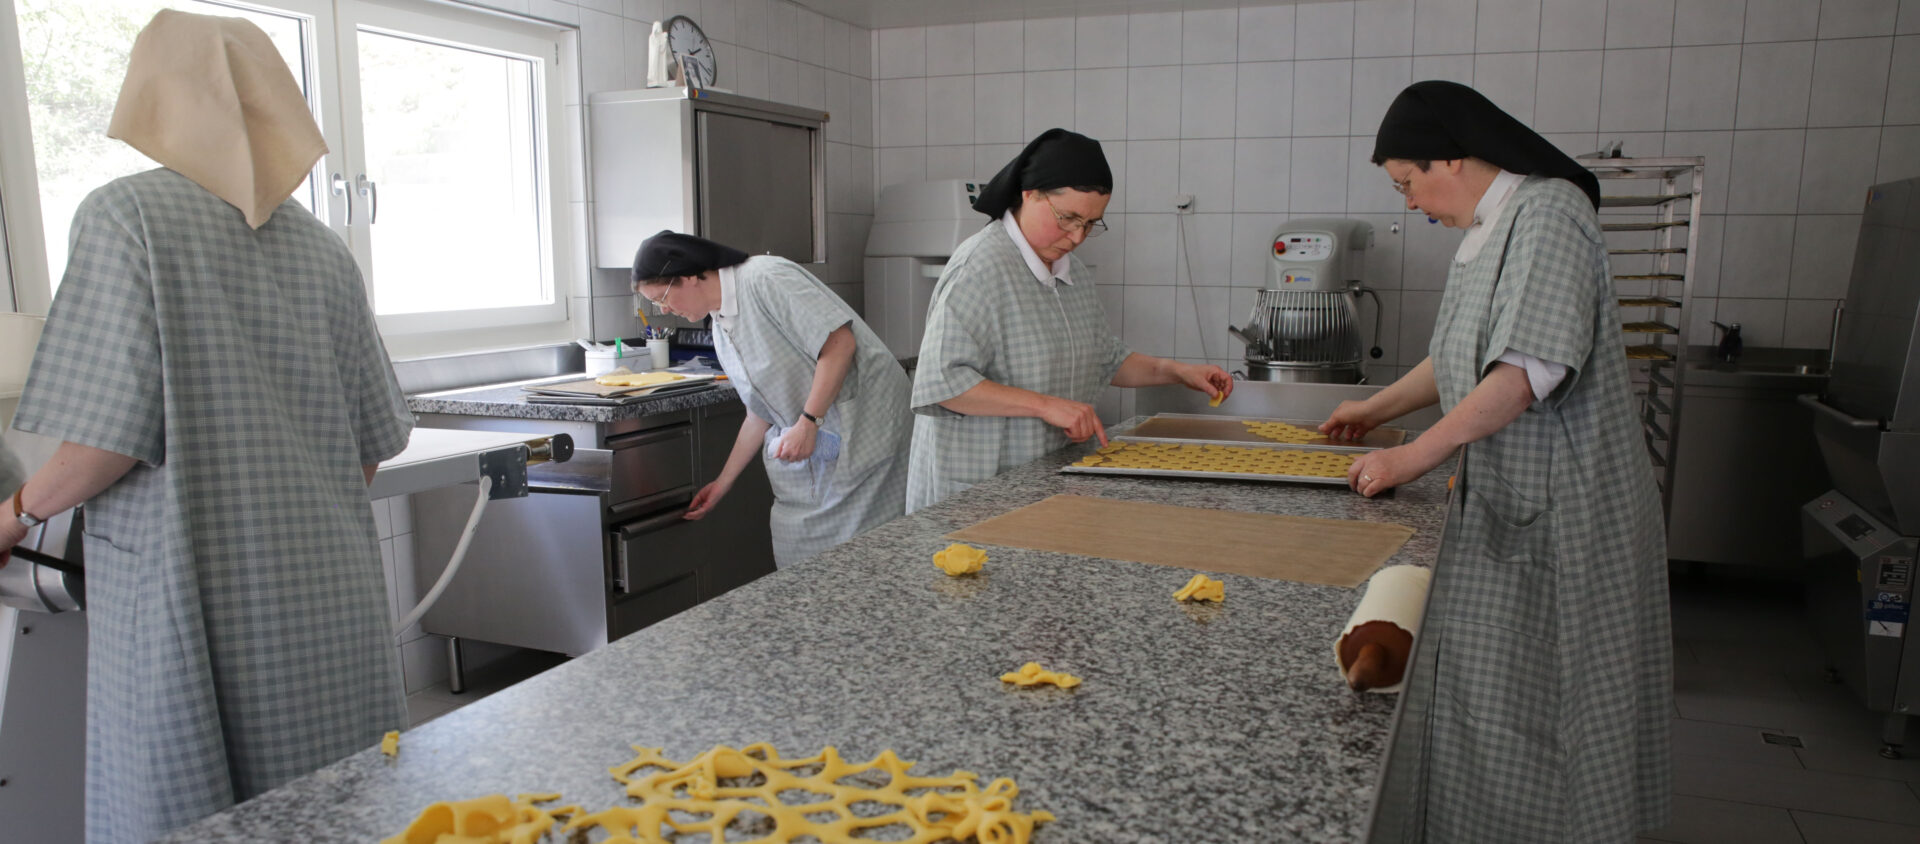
691	50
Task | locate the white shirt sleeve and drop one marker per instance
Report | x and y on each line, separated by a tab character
1542	375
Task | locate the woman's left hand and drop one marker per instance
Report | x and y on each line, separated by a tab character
797	443
1375	472
1206	378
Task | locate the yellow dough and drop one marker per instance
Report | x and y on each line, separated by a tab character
390	743
485	820
1281	432
958	559
1032	674
1251	460
1202	588
637	379
710	792
1216	400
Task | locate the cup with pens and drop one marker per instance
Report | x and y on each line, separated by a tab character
659	345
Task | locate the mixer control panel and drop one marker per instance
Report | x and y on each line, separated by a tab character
1309	246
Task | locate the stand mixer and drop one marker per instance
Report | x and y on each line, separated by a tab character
1305	324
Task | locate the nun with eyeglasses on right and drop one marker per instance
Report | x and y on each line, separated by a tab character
1539	696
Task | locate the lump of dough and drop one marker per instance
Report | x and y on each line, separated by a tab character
1202	588
958	559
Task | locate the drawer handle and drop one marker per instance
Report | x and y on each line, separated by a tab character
640	438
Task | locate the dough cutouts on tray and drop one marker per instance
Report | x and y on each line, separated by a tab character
1220	458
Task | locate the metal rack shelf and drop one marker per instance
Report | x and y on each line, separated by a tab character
1651	216
1643	227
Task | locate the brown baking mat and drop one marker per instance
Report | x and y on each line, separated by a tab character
1333	552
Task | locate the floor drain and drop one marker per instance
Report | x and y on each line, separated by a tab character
1785	741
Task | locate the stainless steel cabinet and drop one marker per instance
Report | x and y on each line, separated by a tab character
744	172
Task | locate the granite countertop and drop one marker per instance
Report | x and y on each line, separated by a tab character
1215	723
510	400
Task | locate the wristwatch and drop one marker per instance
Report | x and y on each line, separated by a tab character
19	510
811	418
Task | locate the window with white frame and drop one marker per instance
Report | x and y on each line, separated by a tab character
442	175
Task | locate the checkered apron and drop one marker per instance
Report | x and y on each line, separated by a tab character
992	320
769	352
236	611
1539	706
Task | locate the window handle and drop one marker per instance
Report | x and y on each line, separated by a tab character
340	190
372	192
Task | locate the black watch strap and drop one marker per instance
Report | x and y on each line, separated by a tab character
811	418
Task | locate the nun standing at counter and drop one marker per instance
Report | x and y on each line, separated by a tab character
1017	346
1539	701
826	402
237	627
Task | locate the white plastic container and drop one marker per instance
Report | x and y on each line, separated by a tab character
659	349
603	362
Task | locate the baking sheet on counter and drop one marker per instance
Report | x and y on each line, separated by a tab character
1207	428
1205	474
1333	552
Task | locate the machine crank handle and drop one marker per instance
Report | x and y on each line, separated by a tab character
31	556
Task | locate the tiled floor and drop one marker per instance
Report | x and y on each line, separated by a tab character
1744	664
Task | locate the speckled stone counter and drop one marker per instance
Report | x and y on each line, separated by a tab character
1222	723
511	401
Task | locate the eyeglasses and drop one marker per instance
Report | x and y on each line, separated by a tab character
1074	223
661	302
1403	186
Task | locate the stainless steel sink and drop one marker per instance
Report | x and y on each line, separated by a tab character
1765	368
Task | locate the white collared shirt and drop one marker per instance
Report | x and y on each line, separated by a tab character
1543	376
1040	269
729	300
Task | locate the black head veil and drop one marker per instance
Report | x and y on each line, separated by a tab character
1056	159
671	254
1443	121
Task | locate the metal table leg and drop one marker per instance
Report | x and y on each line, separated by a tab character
456	667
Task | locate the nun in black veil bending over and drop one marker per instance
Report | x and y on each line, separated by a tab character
1017	346
1538	700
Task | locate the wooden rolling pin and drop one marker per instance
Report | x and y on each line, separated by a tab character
1373	650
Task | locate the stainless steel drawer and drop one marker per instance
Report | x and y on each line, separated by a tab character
653	550
632	612
650	463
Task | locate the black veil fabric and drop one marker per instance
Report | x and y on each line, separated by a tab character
1056	159
671	254
1443	121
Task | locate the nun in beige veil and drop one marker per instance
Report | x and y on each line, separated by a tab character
213	372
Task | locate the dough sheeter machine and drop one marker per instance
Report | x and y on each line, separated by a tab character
42	591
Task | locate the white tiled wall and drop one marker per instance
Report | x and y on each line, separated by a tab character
423	658
769	49
1268	112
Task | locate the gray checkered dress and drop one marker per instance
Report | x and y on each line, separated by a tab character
236	608
12	474
1540	704
992	320
770	351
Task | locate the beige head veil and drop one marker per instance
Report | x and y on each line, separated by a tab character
210	98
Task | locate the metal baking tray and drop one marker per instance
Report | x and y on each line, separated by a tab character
1206	429
1215	476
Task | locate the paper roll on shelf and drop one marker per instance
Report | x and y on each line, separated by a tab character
1372	651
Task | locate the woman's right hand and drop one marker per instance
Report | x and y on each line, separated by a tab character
1080	421
1350	421
706	499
